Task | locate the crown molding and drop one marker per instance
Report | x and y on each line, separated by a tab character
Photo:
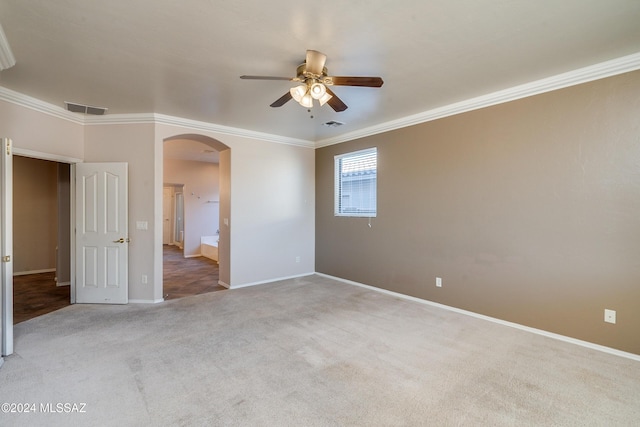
7	59
163	119
582	75
143	118
35	104
227	130
120	119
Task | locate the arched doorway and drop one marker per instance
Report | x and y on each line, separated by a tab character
212	206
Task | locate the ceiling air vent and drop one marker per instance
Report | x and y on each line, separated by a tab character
85	109
333	124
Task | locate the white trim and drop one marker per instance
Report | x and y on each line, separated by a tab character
582	75
63	283
72	236
121	119
146	301
7	60
227	130
26	101
547	334
264	282
196	125
192	256
45	156
24	273
221	283
39	106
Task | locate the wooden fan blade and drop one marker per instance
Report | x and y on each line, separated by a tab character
265	78
335	102
315	62
357	81
282	100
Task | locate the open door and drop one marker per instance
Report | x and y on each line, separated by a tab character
101	239
6	247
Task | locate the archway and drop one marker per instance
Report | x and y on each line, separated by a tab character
224	153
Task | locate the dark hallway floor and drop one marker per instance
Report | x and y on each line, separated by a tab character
37	294
188	276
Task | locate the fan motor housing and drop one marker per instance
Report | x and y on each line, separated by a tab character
301	72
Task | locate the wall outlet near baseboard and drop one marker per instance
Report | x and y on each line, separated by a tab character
439	282
609	316
297	259
144	279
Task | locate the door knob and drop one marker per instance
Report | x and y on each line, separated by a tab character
122	240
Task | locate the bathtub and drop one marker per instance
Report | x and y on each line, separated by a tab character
209	247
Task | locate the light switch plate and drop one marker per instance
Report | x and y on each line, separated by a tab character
609	316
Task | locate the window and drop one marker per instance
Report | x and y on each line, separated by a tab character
355	183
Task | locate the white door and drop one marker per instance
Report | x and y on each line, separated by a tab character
102	240
166	215
6	247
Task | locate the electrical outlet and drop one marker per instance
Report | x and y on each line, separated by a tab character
609	316
144	279
297	259
439	282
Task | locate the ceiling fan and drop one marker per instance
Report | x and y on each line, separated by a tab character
312	74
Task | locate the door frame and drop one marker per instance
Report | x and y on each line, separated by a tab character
59	159
71	161
6	238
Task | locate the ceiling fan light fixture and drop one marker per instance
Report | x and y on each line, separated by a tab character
298	92
317	90
307	100
313	79
324	98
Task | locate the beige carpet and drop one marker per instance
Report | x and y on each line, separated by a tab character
305	352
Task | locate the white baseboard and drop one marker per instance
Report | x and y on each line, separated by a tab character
146	301
221	283
63	283
548	334
264	282
193	256
24	273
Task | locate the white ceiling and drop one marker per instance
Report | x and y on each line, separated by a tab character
184	58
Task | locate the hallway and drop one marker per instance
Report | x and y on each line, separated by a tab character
37	294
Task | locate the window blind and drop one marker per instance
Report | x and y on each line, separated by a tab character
356	183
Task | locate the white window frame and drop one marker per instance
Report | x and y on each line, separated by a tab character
338	185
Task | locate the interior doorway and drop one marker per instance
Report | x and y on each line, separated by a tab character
191	218
173	215
42	237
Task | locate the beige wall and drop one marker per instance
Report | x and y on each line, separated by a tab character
35	215
529	211
201	199
267	194
43	133
133	144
